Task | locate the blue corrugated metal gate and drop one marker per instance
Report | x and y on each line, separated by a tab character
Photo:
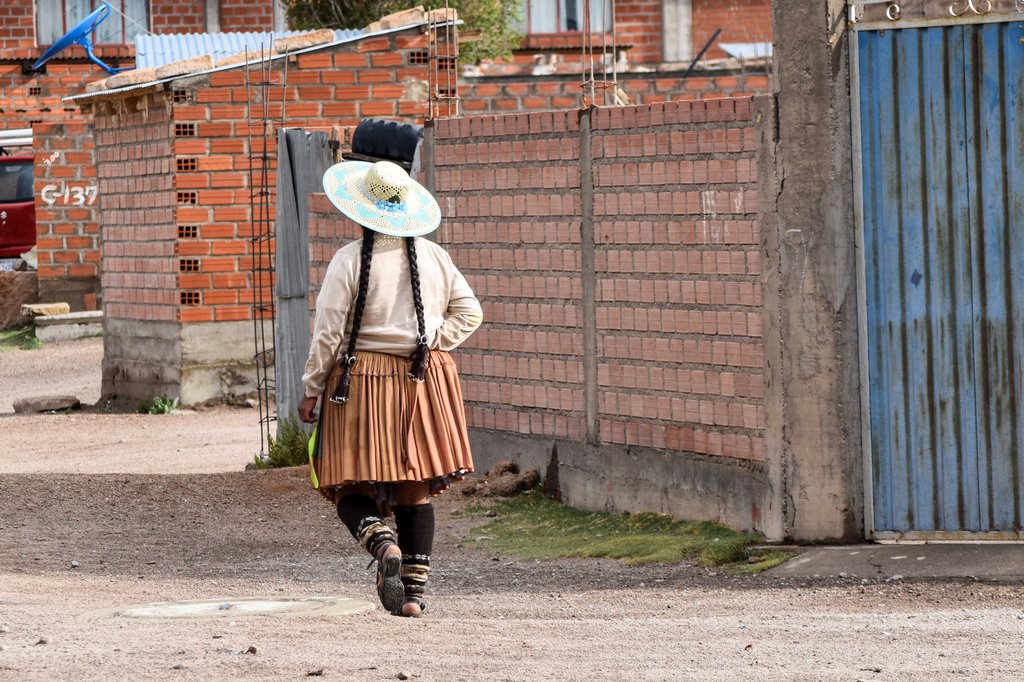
942	142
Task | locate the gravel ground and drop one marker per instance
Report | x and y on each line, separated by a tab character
101	511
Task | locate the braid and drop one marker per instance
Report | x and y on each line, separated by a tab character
421	356
365	256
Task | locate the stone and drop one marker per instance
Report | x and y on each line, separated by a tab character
132	77
17	289
406	17
184	67
51	403
442	15
66	326
44	309
292	43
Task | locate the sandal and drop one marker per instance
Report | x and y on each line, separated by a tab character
414	601
390	589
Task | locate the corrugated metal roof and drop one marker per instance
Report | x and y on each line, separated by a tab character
341	36
157	50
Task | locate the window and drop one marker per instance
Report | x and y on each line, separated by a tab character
57	17
16	181
565	16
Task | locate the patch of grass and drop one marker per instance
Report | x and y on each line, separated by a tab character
763	560
534	527
158	405
19	338
288	449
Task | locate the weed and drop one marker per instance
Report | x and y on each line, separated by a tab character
535	527
19	338
288	449
158	405
763	560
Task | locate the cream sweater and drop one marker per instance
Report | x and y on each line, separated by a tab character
451	311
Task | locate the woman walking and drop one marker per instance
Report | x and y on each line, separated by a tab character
392	427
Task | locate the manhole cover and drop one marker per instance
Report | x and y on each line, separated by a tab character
281	607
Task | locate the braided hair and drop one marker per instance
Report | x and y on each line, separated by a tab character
340	394
421	356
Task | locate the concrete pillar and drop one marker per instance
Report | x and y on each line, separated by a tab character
213	16
813	402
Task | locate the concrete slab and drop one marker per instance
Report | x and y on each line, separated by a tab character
67	326
982	561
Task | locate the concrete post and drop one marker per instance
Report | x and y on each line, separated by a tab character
813	404
213	16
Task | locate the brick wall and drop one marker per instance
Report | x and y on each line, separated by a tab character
36	98
499	95
176	196
134	147
178	16
329	90
246	15
672	274
741	21
17	25
67	208
639	23
616	255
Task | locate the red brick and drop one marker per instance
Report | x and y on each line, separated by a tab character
373	44
351	61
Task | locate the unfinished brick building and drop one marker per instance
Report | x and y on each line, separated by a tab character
174	158
66	199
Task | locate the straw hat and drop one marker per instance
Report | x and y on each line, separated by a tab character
382	197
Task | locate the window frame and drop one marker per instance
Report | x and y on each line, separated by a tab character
559	7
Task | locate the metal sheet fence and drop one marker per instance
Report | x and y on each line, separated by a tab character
942	142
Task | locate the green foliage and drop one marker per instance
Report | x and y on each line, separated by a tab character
313	14
158	405
762	561
19	338
534	527
497	20
288	449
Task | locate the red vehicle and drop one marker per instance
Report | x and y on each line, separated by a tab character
17	205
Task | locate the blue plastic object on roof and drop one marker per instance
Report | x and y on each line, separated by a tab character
80	35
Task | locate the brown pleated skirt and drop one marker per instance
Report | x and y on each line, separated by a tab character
393	429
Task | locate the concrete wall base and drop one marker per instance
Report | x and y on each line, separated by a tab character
633	479
195	363
69	326
140	360
217	361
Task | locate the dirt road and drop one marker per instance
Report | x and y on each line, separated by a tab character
90	525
